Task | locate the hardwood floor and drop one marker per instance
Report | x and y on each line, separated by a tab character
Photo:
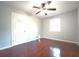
43	48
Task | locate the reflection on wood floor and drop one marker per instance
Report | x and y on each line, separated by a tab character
42	48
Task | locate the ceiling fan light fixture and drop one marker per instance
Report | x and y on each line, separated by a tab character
45	13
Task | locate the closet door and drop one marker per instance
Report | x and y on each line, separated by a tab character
19	29
24	29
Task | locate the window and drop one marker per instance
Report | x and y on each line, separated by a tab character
54	24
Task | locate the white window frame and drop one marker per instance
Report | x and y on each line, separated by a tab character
54	24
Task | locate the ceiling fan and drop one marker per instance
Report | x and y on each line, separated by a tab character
43	7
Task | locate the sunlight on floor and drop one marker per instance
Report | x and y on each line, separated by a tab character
55	52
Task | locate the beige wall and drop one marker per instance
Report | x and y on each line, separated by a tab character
5	26
68	27
78	25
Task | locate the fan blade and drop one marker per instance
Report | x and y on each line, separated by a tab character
38	12
42	5
49	2
51	9
36	7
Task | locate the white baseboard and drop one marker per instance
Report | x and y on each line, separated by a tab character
12	45
78	44
5	47
63	40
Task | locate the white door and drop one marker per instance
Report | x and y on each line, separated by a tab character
23	29
19	28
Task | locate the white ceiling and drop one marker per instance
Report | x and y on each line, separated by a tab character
61	6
